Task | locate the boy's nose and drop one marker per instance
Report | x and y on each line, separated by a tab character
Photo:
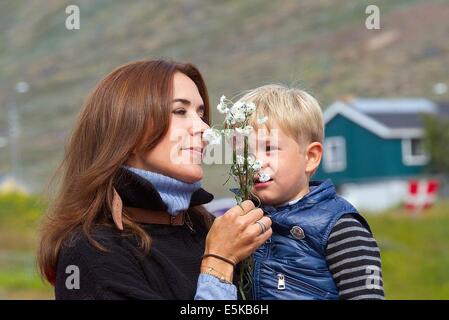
261	156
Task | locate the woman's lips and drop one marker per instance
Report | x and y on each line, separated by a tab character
195	150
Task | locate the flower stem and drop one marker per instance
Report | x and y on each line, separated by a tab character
245	155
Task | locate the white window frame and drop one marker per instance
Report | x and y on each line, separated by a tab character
329	164
408	158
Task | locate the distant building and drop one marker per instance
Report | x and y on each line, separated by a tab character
373	146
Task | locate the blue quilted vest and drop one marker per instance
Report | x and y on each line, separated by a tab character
292	264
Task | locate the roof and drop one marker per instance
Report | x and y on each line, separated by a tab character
393	105
398	120
388	118
443	109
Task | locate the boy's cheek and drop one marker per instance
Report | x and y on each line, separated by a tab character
276	162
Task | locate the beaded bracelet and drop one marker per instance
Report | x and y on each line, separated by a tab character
220	277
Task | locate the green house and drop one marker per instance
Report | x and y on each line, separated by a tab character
374	144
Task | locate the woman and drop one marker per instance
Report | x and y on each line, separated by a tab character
127	222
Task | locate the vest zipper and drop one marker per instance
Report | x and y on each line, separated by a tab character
304	285
281	281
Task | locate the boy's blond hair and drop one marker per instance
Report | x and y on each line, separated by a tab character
297	113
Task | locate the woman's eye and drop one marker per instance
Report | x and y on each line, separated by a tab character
180	111
201	113
183	112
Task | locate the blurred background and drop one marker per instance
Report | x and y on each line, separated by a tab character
384	92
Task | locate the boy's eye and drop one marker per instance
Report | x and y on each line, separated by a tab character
271	148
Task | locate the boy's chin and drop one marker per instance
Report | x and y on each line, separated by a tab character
267	199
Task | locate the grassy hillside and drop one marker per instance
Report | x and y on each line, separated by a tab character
321	45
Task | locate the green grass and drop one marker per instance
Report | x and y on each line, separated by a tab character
20	211
413	248
19	219
414	255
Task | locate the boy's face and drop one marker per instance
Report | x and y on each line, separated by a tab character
288	164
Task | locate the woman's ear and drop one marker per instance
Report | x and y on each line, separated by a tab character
117	208
314	153
134	160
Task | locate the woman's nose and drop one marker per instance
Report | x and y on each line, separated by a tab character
198	127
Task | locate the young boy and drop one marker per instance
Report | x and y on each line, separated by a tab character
321	247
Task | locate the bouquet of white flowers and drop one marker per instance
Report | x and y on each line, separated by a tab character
236	126
244	165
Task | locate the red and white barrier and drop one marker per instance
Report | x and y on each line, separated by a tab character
421	194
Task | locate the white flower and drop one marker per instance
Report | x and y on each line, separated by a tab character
239	117
222	108
229	119
240	160
212	136
263	177
262	120
253	164
257	165
250	108
238	113
238	107
246	131
235	116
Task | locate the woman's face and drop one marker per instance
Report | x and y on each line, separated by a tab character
179	153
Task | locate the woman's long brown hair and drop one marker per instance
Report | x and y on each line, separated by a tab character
128	110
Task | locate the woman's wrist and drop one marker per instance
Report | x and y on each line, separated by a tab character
227	260
216	267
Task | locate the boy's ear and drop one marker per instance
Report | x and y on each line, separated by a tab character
314	153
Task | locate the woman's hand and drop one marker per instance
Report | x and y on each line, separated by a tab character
235	235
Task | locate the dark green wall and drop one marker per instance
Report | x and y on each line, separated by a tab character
368	156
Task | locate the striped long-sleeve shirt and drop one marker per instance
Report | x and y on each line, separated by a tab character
353	258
